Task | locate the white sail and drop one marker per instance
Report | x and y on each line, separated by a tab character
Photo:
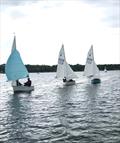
68	72
91	69
61	63
63	68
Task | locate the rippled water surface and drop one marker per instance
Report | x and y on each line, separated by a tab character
54	113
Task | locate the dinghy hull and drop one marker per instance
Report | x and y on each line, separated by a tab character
23	88
95	81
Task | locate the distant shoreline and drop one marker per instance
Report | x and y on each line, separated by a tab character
48	68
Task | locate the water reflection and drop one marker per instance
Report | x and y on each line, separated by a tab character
92	98
65	104
16	117
92	93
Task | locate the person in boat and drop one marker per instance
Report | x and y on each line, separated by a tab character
64	79
18	83
71	80
28	83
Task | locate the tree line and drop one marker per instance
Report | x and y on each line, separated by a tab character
48	68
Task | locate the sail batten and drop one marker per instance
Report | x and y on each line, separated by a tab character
14	68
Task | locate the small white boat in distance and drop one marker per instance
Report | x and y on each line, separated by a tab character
15	70
64	71
91	70
105	69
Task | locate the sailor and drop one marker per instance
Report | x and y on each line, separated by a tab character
28	83
18	83
64	79
71	80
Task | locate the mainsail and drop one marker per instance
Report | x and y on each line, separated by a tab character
14	67
91	69
63	68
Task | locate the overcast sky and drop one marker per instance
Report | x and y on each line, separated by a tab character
42	26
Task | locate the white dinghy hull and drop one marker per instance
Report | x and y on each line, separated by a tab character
23	88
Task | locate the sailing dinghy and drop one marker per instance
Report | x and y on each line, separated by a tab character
15	70
64	71
91	70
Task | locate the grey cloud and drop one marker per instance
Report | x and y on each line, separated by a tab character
48	4
103	2
17	14
17	2
112	10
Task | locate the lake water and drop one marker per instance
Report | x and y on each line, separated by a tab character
54	113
